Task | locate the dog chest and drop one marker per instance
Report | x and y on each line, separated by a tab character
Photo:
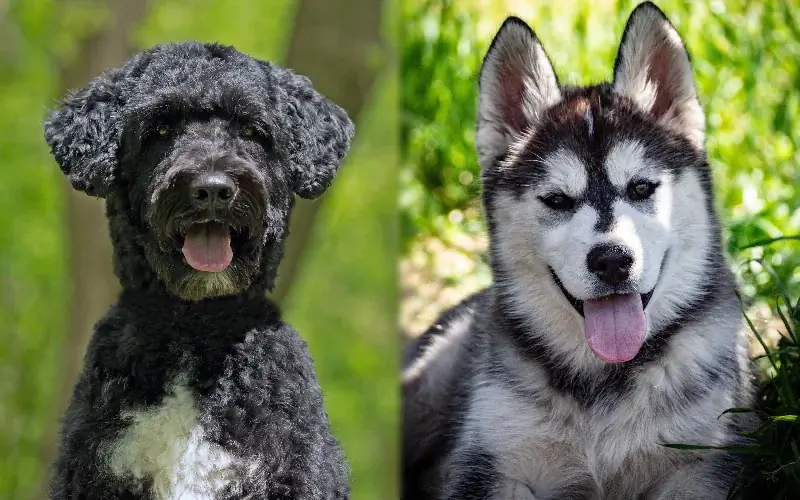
552	444
166	446
556	445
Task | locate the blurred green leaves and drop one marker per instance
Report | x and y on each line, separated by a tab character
344	303
33	274
441	56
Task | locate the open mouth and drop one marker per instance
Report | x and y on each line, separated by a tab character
578	304
614	324
209	245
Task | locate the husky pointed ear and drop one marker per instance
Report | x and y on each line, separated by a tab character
319	132
83	134
653	69
517	84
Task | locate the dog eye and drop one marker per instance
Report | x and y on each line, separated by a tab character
558	201
641	190
248	131
163	130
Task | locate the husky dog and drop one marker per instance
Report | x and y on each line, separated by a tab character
612	325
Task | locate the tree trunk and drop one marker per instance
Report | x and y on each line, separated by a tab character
334	43
94	286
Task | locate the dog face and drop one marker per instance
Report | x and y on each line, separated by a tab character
592	192
207	147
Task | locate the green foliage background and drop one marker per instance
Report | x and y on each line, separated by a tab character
344	299
745	56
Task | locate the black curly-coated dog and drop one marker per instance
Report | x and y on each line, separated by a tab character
193	388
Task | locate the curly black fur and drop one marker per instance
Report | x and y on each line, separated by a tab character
137	136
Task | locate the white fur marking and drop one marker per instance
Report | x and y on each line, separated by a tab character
438	351
566	172
624	162
167	444
625	232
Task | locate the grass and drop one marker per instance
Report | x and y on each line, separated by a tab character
772	459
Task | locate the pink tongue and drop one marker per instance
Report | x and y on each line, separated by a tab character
207	247
614	326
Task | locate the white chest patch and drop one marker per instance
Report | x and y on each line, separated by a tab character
166	444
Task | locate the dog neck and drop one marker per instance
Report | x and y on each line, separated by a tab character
163	304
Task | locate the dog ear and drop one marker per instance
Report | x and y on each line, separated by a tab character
83	134
319	133
653	69
517	84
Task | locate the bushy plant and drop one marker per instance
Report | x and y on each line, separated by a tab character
774	460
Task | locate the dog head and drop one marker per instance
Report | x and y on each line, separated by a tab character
592	192
199	150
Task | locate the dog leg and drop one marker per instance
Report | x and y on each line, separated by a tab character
475	487
514	490
709	479
474	476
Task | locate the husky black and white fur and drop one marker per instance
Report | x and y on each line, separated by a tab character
612	325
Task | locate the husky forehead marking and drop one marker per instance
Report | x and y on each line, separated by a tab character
565	171
626	161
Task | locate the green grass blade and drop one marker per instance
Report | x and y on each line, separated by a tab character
767	242
790	332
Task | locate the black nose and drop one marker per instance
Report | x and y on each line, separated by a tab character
611	263
212	190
